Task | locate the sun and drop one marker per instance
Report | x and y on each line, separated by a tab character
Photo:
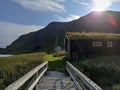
98	9
100	5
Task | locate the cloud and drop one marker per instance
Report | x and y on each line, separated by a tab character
82	2
69	18
10	31
59	0
43	5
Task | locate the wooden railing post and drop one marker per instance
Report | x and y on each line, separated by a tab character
87	82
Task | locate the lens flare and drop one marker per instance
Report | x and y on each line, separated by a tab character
112	21
101	5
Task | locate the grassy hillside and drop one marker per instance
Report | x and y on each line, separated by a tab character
105	71
12	68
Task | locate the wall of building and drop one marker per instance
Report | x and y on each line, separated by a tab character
85	48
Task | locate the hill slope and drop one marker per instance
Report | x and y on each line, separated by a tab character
108	21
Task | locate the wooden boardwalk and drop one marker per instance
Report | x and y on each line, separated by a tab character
54	80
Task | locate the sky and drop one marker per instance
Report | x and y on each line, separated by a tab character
19	17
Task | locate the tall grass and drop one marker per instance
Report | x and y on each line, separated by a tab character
105	71
11	68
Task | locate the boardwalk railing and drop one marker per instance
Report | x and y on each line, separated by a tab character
81	81
36	74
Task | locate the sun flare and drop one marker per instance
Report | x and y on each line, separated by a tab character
100	5
98	9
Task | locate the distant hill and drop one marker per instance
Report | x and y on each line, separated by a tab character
1	49
44	39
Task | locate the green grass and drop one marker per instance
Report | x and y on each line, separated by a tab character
56	63
50	57
12	68
105	71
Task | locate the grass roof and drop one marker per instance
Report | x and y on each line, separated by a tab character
92	35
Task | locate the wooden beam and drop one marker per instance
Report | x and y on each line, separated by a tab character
18	83
88	82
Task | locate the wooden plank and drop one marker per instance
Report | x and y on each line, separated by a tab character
76	83
56	81
18	83
89	83
37	80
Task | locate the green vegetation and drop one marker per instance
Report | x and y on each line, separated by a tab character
92	35
56	61
105	71
12	68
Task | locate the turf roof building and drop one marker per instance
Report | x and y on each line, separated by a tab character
80	45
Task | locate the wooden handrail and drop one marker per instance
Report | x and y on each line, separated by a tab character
89	83
18	83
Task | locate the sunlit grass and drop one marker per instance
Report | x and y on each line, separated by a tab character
56	61
50	57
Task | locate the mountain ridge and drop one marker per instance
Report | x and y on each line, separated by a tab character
44	39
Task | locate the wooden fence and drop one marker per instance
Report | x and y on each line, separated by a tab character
32	77
81	81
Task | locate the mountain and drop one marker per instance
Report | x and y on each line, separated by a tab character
44	39
1	48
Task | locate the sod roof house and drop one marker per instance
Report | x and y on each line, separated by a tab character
80	45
